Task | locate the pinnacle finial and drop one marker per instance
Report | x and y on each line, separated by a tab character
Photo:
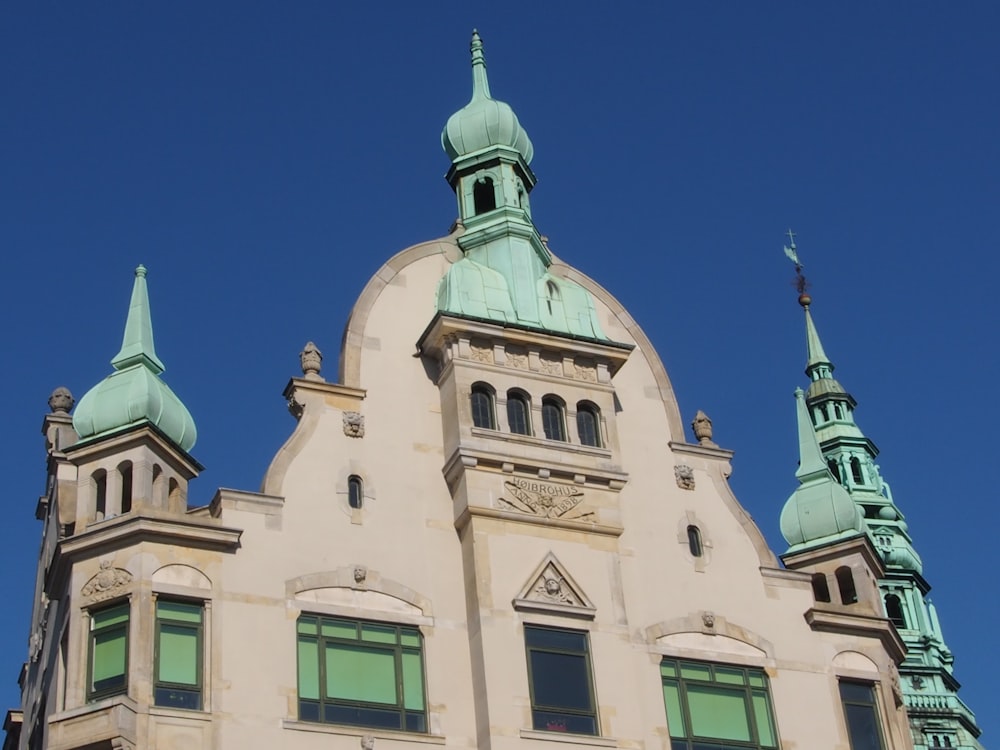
791	251
480	83
137	343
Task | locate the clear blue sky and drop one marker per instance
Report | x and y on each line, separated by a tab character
264	159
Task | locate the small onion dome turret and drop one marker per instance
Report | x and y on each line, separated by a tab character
484	121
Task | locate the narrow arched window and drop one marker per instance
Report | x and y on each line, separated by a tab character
834	468
482	406
483	196
838	411
845	582
894	611
517	413
101	495
126	473
826	414
588	425
856	470
355	492
694	541
553	423
821	588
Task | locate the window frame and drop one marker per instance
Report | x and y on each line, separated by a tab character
519	397
588	409
553	710
486	391
551	402
94	694
198	690
684	738
355	487
398	649
873	705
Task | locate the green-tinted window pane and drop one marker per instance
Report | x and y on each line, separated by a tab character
668	669
718	713
308	668
178	654
108	617
308	625
178	611
109	655
695	671
757	679
675	716
340	629
762	715
378	634
360	673
730	676
410	638
413	681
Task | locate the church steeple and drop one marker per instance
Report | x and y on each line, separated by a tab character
938	717
503	276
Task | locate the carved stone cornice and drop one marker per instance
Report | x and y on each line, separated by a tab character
862	625
565	464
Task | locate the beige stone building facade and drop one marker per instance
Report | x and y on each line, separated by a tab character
487	530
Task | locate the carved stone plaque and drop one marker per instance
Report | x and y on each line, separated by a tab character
543	499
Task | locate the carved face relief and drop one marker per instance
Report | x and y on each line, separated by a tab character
684	475
354	424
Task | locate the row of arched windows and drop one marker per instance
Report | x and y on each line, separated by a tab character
856	474
553	415
113	491
845	584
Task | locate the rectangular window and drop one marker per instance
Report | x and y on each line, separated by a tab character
559	675
717	706
178	668
366	674
108	666
861	713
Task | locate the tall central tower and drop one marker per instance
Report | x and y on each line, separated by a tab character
938	716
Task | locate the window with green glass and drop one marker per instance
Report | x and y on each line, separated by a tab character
108	665
178	668
717	706
559	676
367	674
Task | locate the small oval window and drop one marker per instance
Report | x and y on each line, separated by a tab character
694	541
355	492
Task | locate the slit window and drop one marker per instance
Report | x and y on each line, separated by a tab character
694	541
856	470
821	587
845	582
552	419
517	413
484	196
126	473
588	426
894	611
355	492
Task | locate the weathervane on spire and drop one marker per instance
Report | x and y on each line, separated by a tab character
800	280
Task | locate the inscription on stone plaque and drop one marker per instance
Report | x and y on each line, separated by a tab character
544	499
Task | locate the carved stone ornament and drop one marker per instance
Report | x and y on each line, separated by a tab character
61	400
543	499
481	351
368	742
311	359
684	475
551	365
708	619
551	588
354	424
35	646
585	372
517	359
702	427
917	681
897	688
360	574
107	583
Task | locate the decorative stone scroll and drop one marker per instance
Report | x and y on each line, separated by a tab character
550	588
107	583
354	424
543	499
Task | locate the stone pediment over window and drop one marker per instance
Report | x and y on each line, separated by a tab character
551	589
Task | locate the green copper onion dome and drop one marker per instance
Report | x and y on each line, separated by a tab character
134	393
819	511
484	121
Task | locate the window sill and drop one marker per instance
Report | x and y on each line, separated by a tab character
196	714
541	442
353	731
575	739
